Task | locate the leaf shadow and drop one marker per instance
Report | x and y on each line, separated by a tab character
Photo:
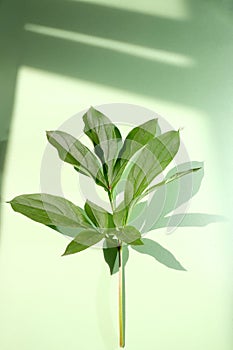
162	255
188	220
69	232
173	199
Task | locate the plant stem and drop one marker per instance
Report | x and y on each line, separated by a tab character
121	287
111	200
121	296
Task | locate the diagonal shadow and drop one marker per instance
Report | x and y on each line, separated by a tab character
188	37
152	215
188	220
162	255
124	25
11	31
173	199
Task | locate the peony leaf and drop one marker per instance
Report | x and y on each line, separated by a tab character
72	151
129	235
135	140
111	257
168	180
106	138
152	160
50	210
99	216
83	240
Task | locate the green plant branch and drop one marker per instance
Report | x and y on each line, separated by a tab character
111	199
94	221
121	282
121	296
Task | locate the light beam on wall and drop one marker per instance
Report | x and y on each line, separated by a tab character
129	49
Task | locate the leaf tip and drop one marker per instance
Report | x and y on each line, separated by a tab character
181	267
65	253
48	133
91	109
137	242
199	168
10	202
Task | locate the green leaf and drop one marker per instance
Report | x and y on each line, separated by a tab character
170	179
99	216
50	210
120	214
135	140
106	138
83	240
161	254
112	259
111	255
72	151
129	235
66	231
152	160
82	171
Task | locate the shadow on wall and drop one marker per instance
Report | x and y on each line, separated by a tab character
182	61
167	207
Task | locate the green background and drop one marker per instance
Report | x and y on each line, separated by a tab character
59	57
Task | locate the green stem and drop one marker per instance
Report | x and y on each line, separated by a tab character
111	200
121	286
121	296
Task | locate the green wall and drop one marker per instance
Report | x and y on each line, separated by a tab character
59	57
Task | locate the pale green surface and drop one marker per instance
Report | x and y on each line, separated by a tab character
48	302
